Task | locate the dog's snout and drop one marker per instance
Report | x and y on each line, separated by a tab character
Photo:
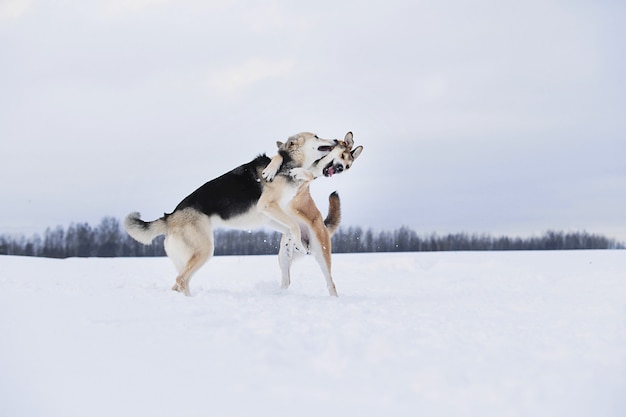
339	168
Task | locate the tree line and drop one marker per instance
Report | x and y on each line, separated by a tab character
108	239
356	239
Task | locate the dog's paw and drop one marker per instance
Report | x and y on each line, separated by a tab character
291	247
272	168
178	287
301	249
332	291
300	174
269	174
284	284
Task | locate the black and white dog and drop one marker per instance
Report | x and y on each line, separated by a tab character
241	198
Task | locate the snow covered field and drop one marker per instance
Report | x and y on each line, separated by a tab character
429	334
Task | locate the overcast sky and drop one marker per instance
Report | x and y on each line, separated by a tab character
501	117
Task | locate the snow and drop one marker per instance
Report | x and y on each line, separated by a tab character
432	334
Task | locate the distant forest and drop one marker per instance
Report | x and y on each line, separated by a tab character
108	239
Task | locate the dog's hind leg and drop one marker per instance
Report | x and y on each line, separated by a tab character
193	264
189	247
284	261
321	248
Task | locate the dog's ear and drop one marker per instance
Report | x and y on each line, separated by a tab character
279	144
355	153
349	140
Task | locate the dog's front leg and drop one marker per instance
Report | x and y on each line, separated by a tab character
301	174
272	168
286	224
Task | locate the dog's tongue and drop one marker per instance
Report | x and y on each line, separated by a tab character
331	171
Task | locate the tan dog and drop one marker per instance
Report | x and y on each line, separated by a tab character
316	232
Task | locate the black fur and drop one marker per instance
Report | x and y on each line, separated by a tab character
231	194
287	164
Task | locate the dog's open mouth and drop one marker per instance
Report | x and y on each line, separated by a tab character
332	169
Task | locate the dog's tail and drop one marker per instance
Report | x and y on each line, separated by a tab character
334	213
144	232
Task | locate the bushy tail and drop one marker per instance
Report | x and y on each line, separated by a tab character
144	232
334	213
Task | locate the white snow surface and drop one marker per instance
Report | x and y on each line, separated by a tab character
428	334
